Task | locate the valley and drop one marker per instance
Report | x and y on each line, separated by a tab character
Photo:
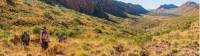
98	28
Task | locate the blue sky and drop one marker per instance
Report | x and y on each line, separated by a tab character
152	4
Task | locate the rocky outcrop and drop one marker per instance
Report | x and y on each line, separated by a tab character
100	8
79	5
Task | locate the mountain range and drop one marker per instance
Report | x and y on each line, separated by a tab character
101	8
171	9
133	31
167	6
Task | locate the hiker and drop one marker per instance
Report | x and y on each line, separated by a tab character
61	37
25	38
15	40
44	38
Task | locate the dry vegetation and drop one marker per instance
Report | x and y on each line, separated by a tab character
92	36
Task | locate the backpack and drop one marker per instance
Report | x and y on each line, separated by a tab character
25	37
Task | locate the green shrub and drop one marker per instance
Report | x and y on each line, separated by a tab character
86	47
5	35
163	31
4	26
68	33
61	22
77	20
97	30
184	25
142	38
37	29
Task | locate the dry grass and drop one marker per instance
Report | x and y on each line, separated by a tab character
147	35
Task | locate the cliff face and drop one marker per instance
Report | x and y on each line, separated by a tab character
78	5
131	8
100	8
110	7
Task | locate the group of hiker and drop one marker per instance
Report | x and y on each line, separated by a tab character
43	40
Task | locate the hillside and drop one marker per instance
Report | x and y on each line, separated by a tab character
170	9
90	35
101	8
189	7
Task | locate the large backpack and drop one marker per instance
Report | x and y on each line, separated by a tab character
25	37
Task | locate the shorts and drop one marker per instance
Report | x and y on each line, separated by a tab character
44	44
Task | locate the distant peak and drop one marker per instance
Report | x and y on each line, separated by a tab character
190	2
167	6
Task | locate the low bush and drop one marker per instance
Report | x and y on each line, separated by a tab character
97	30
4	26
68	33
184	25
78	21
37	29
142	38
5	35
